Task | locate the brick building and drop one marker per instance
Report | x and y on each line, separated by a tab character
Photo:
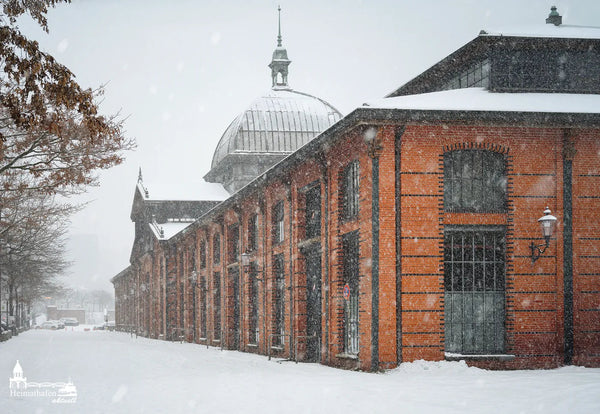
409	228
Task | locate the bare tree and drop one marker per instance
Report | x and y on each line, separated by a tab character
32	246
52	137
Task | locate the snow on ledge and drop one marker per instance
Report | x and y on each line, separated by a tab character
479	99
454	357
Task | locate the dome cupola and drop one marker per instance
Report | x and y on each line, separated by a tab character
274	125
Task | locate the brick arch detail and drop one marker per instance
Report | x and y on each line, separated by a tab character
477	145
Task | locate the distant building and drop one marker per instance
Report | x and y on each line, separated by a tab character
54	313
408	229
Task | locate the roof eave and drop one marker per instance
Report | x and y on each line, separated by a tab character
368	115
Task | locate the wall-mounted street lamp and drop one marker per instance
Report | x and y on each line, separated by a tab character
547	223
374	145
246	262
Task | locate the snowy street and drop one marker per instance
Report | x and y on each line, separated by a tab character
117	373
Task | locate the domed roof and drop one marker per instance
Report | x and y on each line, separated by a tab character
280	121
275	125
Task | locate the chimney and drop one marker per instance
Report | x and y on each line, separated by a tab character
554	18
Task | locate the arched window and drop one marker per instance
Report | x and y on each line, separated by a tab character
475	181
350	180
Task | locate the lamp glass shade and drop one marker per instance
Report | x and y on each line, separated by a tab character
245	259
547	222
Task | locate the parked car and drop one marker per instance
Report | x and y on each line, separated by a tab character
53	325
60	324
70	321
106	326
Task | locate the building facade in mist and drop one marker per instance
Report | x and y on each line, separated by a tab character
409	228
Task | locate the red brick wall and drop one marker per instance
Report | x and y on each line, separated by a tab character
586	247
534	301
534	292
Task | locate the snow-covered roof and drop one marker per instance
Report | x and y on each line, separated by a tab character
165	231
479	99
191	191
546	30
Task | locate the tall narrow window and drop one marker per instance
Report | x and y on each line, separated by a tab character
216	306
475	181
192	260
233	243
203	314
278	227
474	275
203	254
181	291
313	212
163	282
350	273
253	333
253	233
279	319
350	191
217	248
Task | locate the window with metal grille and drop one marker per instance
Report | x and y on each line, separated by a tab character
278	227
234	243
279	317
203	313
253	233
253	334
350	273
475	181
202	254
217	248
350	190
313	212
474	279
217	306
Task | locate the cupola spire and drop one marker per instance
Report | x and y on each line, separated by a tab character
280	62
279	27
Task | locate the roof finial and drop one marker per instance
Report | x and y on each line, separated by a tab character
554	18
280	62
279	31
140	176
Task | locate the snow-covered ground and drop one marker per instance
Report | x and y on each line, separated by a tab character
117	373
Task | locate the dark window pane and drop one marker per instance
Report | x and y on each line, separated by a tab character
350	191
474	181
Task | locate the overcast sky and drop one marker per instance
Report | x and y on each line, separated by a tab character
182	70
